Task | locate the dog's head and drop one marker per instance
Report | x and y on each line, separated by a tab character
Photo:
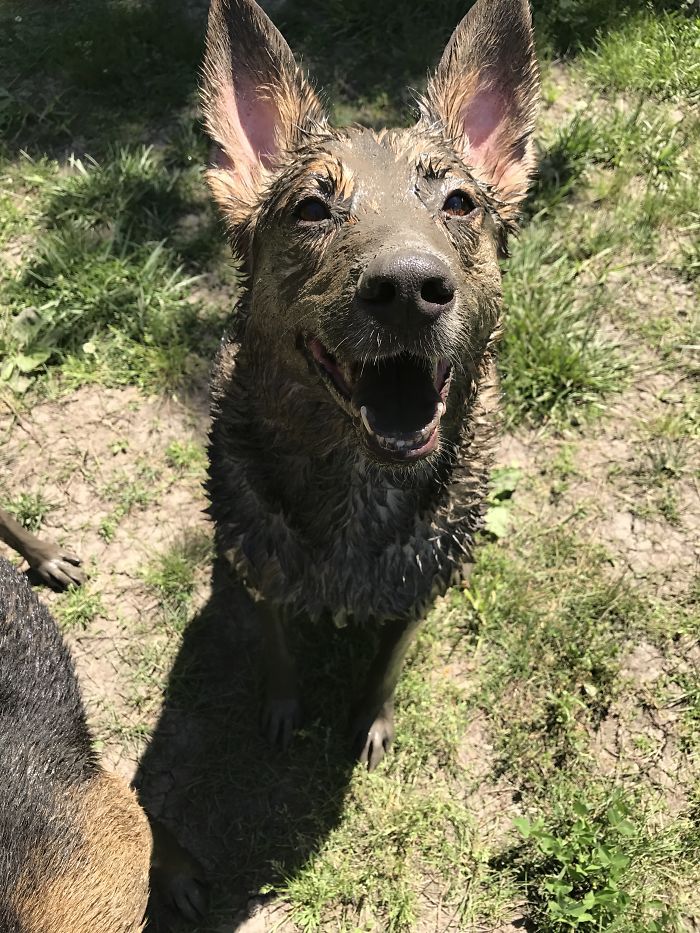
373	257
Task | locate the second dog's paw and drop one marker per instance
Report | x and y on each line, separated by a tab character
178	882
373	734
279	717
59	571
182	893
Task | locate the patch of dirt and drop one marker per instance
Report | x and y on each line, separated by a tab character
491	802
606	490
640	738
86	454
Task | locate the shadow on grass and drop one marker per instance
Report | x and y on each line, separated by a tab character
87	75
252	815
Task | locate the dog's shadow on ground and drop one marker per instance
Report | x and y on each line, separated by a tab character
252	815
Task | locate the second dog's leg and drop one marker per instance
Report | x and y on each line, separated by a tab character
373	726
56	567
281	712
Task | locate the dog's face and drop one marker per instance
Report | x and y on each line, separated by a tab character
373	257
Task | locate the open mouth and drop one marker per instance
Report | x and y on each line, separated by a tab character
399	399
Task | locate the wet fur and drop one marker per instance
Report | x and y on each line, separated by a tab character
74	843
308	515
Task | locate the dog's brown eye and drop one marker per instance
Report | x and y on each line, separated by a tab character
458	204
313	211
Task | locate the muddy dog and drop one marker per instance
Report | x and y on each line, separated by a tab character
353	404
74	843
56	567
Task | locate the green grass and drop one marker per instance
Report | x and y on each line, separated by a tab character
30	509
391	835
593	864
104	292
127	493
554	363
173	575
651	53
186	457
78	607
117	276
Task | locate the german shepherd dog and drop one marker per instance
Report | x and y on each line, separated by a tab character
75	845
353	401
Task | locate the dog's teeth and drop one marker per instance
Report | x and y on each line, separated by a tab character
440	409
365	419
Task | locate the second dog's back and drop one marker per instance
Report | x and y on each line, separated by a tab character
74	843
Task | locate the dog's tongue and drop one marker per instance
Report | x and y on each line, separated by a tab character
399	395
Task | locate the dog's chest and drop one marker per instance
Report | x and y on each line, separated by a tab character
361	547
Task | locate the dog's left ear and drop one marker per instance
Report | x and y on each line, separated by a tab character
485	92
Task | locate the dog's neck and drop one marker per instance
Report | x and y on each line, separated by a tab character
303	515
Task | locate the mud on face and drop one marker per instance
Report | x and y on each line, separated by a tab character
373	257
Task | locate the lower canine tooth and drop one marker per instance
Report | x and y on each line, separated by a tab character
365	419
440	409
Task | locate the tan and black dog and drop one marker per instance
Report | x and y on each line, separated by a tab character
75	845
353	403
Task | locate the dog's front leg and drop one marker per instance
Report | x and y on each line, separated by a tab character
373	725
281	711
57	568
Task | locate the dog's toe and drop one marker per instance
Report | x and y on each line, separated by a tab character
279	718
373	736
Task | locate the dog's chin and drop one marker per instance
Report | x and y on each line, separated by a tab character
396	401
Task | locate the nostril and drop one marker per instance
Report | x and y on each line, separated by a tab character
437	291
378	291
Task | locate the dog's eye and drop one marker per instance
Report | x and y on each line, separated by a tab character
458	204
313	211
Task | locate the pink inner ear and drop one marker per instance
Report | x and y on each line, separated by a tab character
258	118
252	121
481	116
492	151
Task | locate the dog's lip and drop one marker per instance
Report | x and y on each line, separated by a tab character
327	363
389	444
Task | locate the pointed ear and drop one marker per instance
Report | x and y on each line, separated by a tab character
256	101
485	92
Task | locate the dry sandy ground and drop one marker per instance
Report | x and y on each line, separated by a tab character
86	453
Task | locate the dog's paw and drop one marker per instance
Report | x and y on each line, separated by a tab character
373	734
178	882
59	571
279	717
182	894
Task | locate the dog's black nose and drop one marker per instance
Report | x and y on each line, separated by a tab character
405	287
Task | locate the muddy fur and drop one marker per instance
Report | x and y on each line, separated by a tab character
311	510
302	511
325	529
74	843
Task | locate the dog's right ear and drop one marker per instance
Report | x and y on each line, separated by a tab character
256	102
